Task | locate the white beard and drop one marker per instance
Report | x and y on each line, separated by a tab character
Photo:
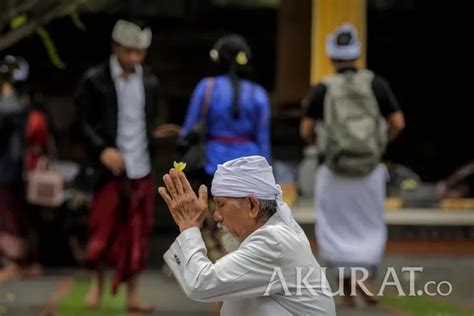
228	240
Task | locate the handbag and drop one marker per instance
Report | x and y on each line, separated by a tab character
45	184
192	147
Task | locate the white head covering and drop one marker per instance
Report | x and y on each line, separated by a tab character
346	51
131	35
247	176
23	70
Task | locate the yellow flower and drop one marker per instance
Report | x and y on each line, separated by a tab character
179	166
241	58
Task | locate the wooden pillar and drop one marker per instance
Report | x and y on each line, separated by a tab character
326	16
294	49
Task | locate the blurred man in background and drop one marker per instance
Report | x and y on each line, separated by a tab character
350	111
118	101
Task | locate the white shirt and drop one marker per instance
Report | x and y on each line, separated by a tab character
131	126
242	279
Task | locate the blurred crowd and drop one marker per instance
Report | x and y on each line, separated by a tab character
107	204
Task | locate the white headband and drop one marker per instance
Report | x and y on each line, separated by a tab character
250	176
131	35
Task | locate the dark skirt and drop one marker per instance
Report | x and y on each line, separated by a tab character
120	225
17	220
14	214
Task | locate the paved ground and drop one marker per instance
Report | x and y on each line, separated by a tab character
29	297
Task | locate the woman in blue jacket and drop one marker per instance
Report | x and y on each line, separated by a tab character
238	117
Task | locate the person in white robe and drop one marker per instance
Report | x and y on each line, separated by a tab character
350	227
270	271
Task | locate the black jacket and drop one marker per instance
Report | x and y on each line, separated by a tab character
96	103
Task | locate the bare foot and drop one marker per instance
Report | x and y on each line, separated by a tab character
347	299
32	271
10	272
93	296
369	298
346	302
136	305
134	302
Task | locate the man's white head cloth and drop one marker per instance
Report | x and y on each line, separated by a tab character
131	35
250	176
344	43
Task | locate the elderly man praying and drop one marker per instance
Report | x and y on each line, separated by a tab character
270	271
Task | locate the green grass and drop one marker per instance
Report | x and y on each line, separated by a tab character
424	306
73	303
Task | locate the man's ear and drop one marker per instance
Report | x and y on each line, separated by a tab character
113	46
254	206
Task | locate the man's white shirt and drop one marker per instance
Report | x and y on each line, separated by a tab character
260	278
131	126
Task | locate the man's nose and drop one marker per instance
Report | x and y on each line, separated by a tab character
217	216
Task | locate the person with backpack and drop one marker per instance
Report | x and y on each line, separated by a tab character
351	115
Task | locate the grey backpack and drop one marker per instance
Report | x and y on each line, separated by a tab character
353	136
